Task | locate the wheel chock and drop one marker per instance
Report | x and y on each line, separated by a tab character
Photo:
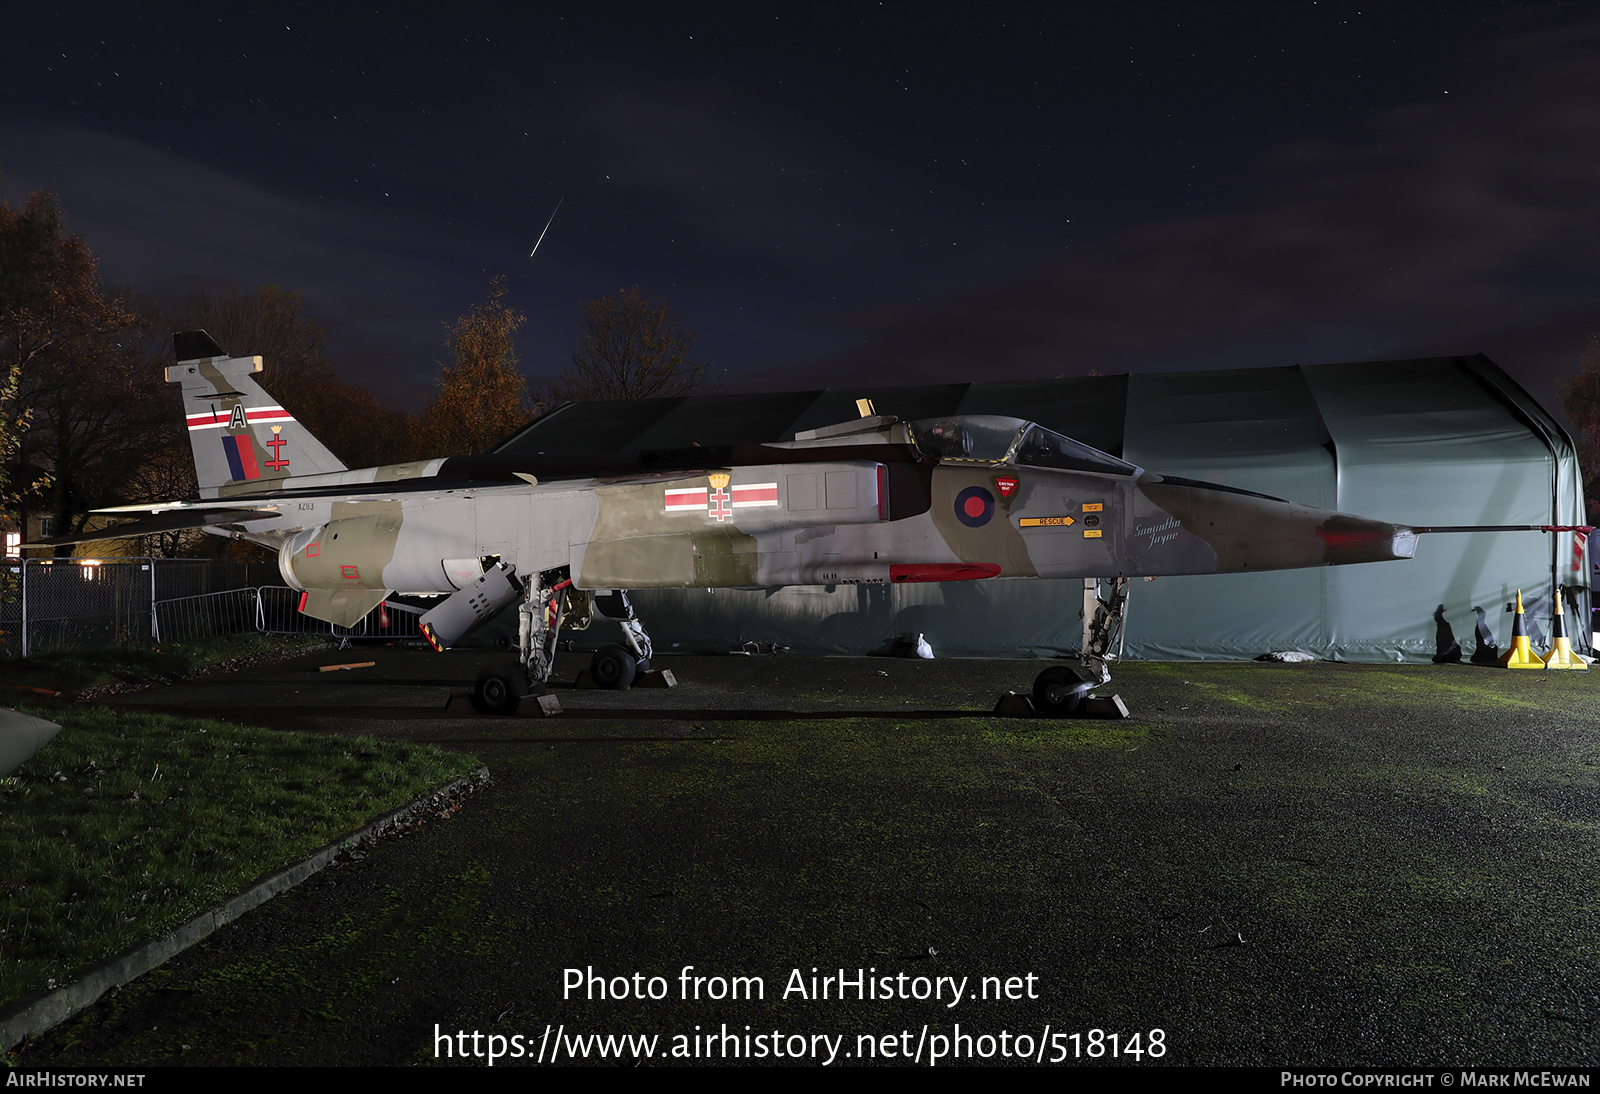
1520	655
539	706
1103	706
1111	707
1012	705
1561	655
529	706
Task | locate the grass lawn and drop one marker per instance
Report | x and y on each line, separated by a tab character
79	670
128	824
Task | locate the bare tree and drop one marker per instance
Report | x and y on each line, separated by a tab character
1580	398
630	347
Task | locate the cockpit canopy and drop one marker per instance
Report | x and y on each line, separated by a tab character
992	438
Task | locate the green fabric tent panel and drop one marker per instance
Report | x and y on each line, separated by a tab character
1255	429
1424	443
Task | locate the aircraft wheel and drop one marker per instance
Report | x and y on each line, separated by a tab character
613	667
1058	692
499	688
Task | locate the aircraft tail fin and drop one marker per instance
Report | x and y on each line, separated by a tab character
243	441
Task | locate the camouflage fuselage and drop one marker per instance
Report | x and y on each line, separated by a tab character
817	523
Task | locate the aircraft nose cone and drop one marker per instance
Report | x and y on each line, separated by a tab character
1252	531
1348	539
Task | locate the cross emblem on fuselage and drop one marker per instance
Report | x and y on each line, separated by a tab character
720	507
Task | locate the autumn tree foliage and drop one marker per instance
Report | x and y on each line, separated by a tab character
482	397
77	396
1580	398
631	346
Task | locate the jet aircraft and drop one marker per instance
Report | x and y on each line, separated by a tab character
873	500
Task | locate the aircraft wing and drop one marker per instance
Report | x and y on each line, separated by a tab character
171	521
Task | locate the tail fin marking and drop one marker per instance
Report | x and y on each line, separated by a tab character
260	440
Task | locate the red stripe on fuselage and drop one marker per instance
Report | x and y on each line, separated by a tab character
901	572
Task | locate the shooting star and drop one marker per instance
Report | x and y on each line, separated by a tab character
547	224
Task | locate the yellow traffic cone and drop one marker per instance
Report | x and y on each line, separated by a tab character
1561	655
1520	655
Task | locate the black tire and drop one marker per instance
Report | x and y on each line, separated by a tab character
1058	692
613	667
500	688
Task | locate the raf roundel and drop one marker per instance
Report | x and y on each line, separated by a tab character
974	506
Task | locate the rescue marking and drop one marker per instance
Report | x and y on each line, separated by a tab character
1047	522
1095	534
1093	506
974	506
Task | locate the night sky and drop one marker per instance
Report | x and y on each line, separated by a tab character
867	191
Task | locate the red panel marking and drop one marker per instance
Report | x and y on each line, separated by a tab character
686	499
349	573
744	495
247	457
902	572
313	550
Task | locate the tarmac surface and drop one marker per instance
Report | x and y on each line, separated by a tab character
1285	865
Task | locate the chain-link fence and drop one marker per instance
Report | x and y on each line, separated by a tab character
75	604
49	605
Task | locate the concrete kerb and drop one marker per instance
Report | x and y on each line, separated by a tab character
35	1014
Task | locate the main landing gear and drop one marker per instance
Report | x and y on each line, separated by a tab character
1062	691
550	602
615	666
